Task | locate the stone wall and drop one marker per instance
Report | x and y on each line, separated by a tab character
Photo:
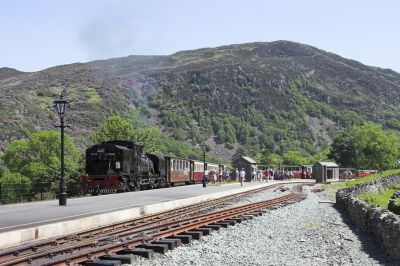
392	206
383	224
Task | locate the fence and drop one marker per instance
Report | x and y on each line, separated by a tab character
17	192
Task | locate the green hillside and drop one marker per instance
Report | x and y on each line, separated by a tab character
278	96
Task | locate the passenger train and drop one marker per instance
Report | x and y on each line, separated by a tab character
120	166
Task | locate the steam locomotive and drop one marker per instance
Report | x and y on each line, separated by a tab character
121	166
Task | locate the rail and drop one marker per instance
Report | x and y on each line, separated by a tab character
96	243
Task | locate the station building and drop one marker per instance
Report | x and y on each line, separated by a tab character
322	171
247	163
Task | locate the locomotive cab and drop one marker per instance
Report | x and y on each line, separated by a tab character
105	161
111	167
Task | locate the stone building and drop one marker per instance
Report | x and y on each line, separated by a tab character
247	163
322	171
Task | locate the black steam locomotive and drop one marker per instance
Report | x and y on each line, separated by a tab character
120	166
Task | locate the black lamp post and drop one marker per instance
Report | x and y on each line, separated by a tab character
204	165
61	106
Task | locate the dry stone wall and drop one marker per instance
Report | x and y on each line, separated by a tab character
383	224
393	207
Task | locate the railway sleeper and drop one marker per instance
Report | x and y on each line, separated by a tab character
238	219
102	263
124	259
158	248
232	221
206	231
185	239
178	242
276	206
213	227
246	217
146	253
222	224
256	213
172	243
195	234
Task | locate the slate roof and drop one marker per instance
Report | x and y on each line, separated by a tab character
250	160
328	164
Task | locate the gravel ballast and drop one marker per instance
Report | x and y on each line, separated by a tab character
310	232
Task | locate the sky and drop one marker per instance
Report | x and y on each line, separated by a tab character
38	34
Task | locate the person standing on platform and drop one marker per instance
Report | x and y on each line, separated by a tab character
206	176
242	176
237	174
254	175
266	174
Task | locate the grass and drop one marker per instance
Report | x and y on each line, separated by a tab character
365	179
380	199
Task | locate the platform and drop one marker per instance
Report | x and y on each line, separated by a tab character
20	223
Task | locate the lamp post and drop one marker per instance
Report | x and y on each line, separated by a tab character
204	165
61	106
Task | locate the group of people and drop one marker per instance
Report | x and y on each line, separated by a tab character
267	174
256	175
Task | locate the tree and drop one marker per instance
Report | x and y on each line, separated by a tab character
38	158
274	159
118	128
15	187
115	128
239	153
294	158
322	155
367	146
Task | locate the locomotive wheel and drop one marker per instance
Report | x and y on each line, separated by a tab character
137	187
163	182
122	187
95	192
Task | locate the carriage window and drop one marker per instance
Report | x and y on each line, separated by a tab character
180	165
173	165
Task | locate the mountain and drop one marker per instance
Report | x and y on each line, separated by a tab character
278	96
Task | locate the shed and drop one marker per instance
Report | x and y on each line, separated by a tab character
247	163
322	171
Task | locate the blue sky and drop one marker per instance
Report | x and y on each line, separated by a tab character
37	34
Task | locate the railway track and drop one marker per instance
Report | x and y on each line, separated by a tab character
92	244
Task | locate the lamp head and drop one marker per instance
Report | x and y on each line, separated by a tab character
203	147
61	105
